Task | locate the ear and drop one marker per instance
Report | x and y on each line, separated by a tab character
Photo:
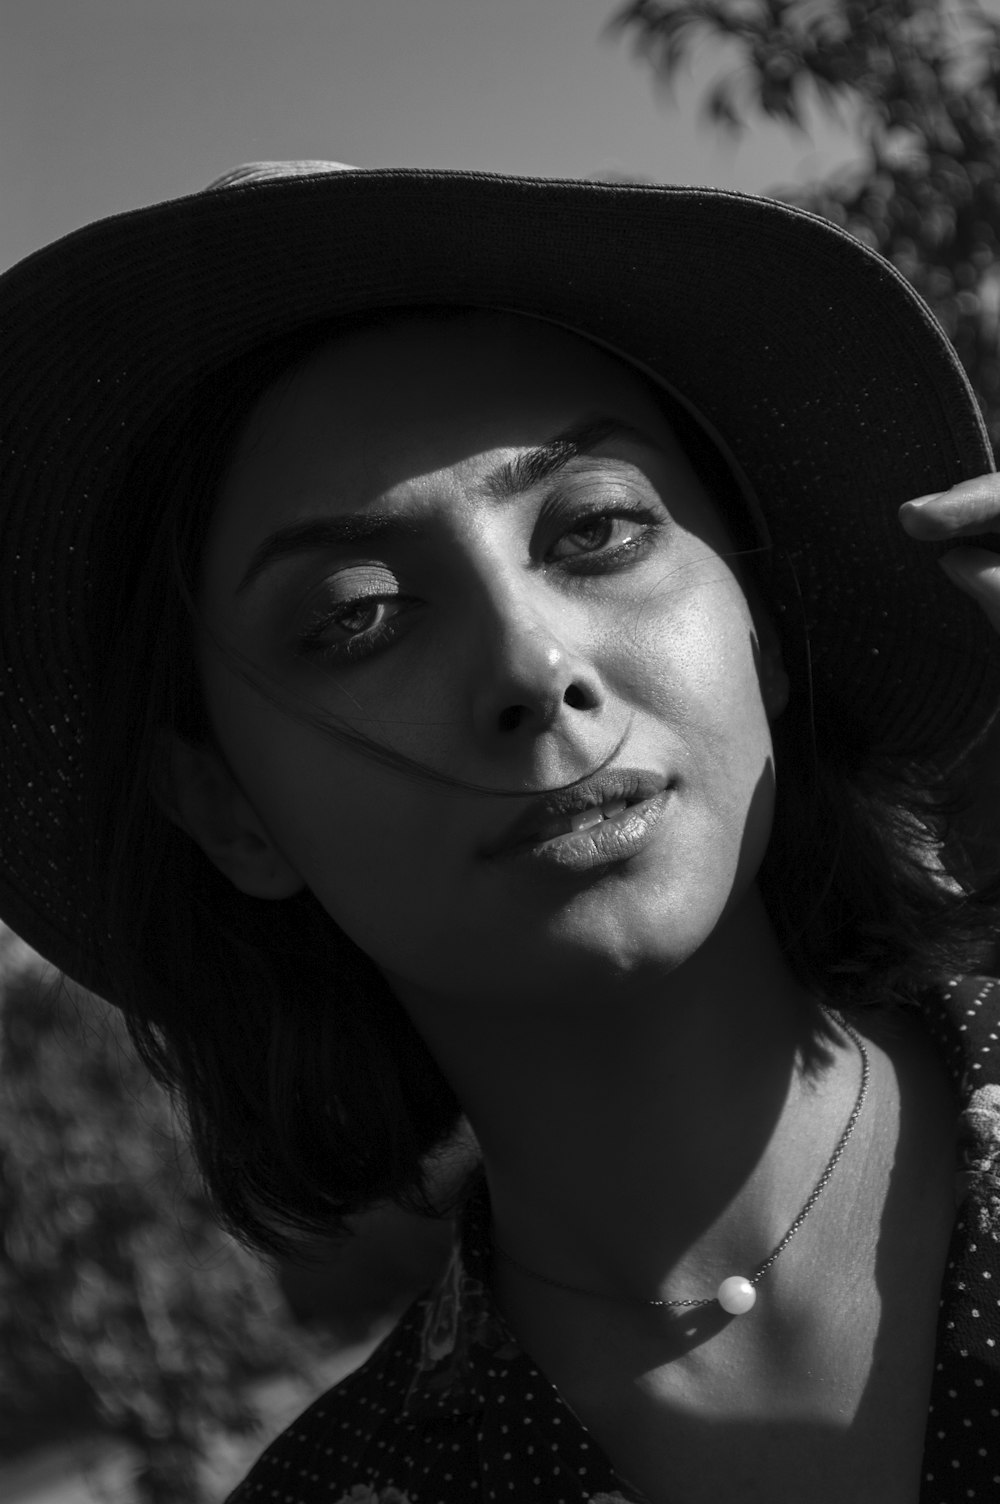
775	686
197	791
774	682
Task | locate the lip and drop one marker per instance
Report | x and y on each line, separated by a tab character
543	830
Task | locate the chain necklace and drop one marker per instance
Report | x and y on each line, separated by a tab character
737	1294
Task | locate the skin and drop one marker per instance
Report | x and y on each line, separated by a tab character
496	614
516	975
971	508
578	1015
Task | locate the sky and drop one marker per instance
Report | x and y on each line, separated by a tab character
109	104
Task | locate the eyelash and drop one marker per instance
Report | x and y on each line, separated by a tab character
606	558
362	645
600	560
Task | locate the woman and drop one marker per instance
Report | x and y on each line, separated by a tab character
466	624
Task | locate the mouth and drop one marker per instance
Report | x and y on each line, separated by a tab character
607	799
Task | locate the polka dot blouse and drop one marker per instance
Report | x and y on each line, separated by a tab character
450	1410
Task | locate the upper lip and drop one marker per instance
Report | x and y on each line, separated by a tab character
613	784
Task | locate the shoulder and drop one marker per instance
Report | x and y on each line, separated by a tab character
350	1445
406	1419
962	1019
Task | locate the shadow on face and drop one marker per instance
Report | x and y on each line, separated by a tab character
477	541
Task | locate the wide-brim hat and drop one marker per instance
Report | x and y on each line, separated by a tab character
833	386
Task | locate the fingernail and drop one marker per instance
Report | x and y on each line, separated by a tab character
921	501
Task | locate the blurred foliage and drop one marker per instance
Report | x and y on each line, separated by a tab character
919	83
124	1309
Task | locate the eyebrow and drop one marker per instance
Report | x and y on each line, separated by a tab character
322	534
507	481
513	477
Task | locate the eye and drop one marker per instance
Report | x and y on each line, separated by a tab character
350	616
357	619
605	539
591	534
353	629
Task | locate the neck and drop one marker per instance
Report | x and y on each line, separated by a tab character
643	1144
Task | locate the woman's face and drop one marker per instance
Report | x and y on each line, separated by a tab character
478	543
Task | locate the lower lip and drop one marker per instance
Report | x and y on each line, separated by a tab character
614	840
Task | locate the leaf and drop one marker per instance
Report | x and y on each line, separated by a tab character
720	108
922	96
117	1287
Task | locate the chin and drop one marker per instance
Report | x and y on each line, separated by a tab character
639	941
599	959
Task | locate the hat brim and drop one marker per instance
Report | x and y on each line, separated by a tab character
828	377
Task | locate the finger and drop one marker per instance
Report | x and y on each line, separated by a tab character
973	506
977	572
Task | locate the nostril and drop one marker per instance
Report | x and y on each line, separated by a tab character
510	719
575	698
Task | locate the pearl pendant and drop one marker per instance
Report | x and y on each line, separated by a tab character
736	1295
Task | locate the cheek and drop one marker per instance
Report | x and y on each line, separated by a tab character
693	659
362	838
705	684
332	811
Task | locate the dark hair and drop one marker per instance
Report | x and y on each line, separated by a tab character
308	1093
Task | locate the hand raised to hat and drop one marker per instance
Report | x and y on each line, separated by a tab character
969	509
972	507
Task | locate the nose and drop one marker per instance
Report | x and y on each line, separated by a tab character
529	677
